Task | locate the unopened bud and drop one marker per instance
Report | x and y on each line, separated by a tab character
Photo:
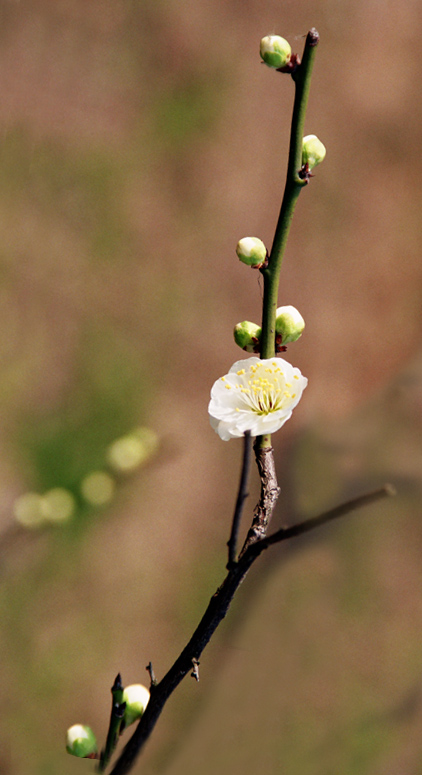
313	151
252	251
80	741
289	325
275	51
247	336
136	698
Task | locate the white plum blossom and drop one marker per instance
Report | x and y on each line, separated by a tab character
256	395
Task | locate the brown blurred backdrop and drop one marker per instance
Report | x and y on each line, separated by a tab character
139	141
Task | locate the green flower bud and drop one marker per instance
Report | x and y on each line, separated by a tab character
275	51
247	336
80	741
252	251
136	698
313	151
289	325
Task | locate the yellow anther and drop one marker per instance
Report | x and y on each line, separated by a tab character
288	384
223	379
228	387
295	377
294	395
241	371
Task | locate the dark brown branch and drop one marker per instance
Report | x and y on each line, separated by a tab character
241	497
214	614
268	497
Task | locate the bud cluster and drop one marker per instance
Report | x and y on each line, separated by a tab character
289	326
80	739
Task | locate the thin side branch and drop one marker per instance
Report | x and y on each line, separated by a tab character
116	718
241	497
328	516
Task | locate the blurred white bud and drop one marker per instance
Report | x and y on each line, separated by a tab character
58	505
28	510
98	488
129	452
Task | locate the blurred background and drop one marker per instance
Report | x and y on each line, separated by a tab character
140	139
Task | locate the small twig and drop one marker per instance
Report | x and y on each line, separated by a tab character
150	670
195	670
328	516
241	497
117	714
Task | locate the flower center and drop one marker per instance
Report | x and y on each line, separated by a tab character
263	390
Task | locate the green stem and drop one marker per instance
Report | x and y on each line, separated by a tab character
293	187
116	719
